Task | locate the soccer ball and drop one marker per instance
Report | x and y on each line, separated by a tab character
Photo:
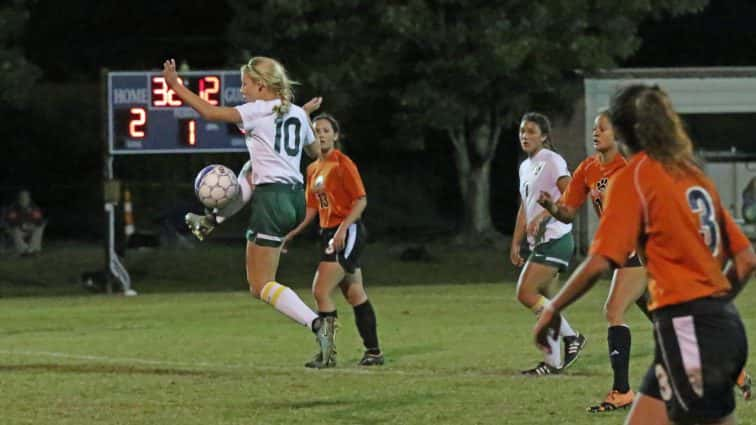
215	186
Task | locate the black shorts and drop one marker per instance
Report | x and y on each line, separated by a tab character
633	261
700	349
349	257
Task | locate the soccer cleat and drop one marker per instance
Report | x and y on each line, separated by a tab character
325	336
744	384
200	225
573	346
613	401
541	369
317	361
370	359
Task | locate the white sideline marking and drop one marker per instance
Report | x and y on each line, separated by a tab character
381	370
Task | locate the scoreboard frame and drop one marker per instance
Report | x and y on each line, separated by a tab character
145	117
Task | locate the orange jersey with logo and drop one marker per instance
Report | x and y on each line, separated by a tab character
591	178
677	219
333	184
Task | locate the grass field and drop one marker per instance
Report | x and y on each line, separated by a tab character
175	355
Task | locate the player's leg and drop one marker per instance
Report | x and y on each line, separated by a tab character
647	410
364	317
744	383
327	277
628	284
276	209
262	263
701	348
533	280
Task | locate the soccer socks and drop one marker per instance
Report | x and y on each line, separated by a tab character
565	329
288	302
619	355
538	306
364	317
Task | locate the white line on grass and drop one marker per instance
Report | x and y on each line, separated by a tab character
383	370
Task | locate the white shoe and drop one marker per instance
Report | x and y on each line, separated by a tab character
200	225
130	293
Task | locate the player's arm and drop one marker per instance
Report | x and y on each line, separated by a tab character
517	234
740	270
356	190
558	210
582	279
205	109
339	238
616	237
312	150
310	215
535	225
743	262
573	197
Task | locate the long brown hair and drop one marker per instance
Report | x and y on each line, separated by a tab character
644	119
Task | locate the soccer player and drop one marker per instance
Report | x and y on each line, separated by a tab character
336	194
276	132
550	241
664	205
591	178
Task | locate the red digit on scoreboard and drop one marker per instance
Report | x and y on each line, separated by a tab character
162	95
137	122
209	87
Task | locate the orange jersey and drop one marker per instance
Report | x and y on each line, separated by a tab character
591	178
678	220
333	184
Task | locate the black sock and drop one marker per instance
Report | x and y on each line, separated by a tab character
619	356
364	316
318	321
328	314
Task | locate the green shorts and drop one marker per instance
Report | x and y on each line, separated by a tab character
277	208
556	252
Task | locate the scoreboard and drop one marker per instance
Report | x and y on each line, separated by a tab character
145	116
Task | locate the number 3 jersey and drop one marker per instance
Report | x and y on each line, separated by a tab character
677	219
275	142
333	184
591	178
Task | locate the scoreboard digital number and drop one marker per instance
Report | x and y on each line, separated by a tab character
145	116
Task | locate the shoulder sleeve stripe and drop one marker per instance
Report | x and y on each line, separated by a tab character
636	181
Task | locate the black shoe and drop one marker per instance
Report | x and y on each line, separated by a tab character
542	369
573	346
370	359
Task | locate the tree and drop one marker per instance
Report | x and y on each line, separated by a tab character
17	75
466	67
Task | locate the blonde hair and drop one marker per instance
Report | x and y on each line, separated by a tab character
271	73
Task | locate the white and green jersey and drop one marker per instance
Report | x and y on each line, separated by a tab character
540	173
275	142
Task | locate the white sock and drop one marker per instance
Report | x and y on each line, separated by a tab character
288	302
565	329
554	359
